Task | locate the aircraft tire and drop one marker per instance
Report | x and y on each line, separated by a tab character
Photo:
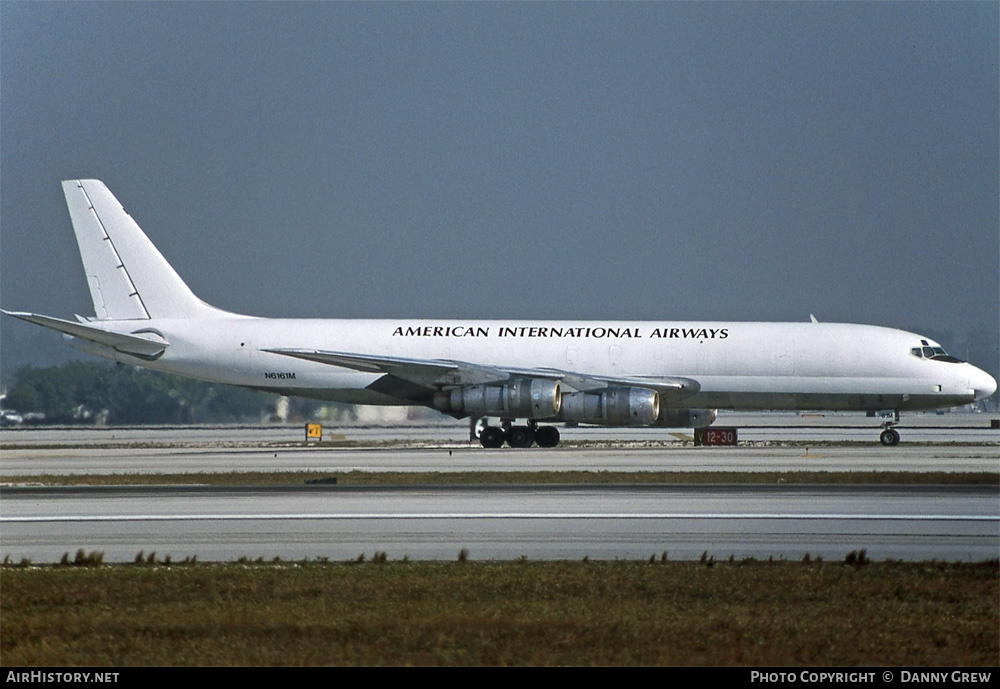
547	436
520	436
889	437
492	437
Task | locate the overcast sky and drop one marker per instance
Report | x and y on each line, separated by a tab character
660	161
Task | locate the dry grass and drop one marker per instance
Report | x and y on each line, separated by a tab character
522	613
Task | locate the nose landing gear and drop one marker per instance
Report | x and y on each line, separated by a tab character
890	436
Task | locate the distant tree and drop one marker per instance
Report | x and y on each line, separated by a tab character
84	392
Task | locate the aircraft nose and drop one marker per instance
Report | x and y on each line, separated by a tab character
983	384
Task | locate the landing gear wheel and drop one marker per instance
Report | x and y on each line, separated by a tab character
889	437
492	437
521	436
547	436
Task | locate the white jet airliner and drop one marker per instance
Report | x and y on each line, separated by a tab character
615	373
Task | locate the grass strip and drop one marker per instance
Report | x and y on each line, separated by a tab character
391	612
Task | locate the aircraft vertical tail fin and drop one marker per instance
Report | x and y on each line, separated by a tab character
128	277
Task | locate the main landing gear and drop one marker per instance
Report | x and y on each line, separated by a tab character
518	436
890	436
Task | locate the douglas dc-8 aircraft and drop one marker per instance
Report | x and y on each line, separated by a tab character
615	373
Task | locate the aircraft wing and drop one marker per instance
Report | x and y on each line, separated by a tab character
436	374
431	373
145	345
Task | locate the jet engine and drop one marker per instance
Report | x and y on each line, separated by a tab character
612	407
686	418
521	398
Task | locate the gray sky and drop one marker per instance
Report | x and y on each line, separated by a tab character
661	161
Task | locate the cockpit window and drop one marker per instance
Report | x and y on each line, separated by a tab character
931	352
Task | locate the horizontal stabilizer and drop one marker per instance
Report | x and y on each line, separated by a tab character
146	345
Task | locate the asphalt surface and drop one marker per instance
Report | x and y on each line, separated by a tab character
491	522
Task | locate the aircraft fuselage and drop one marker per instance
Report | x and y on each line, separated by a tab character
739	365
616	373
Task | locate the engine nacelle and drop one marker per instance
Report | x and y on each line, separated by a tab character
612	407
521	398
686	418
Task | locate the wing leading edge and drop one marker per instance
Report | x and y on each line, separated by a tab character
438	374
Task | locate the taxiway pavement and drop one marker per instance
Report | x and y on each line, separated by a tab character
955	523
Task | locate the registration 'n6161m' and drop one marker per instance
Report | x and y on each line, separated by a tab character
279	375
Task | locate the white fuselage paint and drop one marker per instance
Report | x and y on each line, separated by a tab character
628	372
739	365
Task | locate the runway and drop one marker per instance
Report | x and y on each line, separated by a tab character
761	427
219	452
768	442
504	522
495	522
437	448
34	462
